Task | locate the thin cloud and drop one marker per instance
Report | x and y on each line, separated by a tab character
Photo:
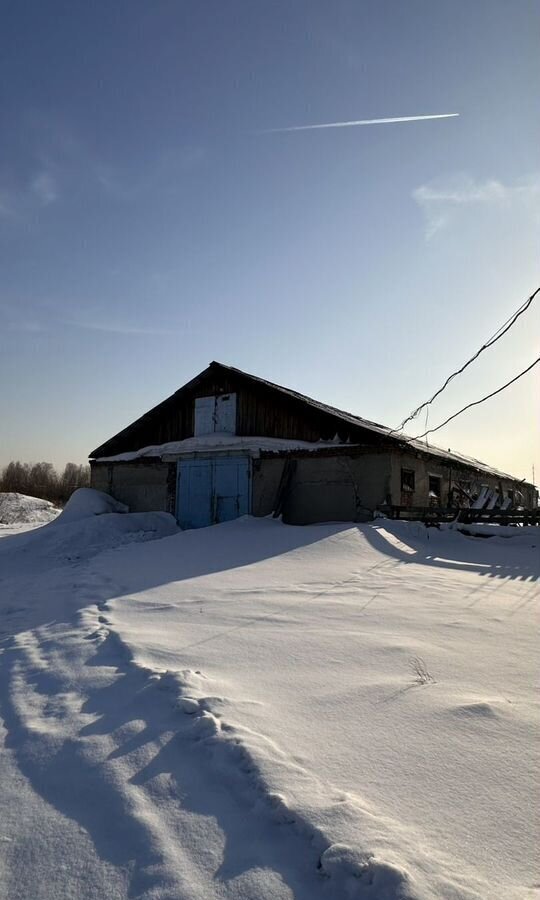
164	173
60	165
45	188
48	317
5	203
18	319
355	122
120	328
18	201
443	200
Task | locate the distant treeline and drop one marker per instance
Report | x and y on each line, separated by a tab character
42	480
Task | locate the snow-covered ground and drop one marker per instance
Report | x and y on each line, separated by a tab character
234	712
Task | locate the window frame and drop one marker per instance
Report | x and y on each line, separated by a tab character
408	488
438	493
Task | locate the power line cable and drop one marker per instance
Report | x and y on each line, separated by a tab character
476	402
501	331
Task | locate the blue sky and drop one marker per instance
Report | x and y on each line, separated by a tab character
148	224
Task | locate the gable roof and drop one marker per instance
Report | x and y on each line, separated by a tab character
396	439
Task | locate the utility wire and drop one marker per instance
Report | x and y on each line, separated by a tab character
506	326
476	402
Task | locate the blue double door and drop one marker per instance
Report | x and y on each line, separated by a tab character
212	490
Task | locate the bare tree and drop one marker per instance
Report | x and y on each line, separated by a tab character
15	477
42	480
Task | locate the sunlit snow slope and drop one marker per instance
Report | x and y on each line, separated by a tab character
20	509
234	712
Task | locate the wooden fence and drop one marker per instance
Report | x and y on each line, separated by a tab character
466	516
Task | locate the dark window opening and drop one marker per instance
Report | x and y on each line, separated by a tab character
407	479
435	487
511	496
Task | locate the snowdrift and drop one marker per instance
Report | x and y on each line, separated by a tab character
90	523
86	502
20	509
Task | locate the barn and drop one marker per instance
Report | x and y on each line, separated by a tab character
227	444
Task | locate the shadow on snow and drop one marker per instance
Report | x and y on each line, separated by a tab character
140	721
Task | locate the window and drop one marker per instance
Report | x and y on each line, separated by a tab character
407	479
435	487
511	497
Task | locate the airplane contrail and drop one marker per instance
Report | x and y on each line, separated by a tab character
359	122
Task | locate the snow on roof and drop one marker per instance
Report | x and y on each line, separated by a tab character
219	441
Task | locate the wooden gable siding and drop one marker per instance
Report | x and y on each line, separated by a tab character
171	420
260	411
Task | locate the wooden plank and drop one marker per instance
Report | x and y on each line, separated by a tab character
465	516
284	484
